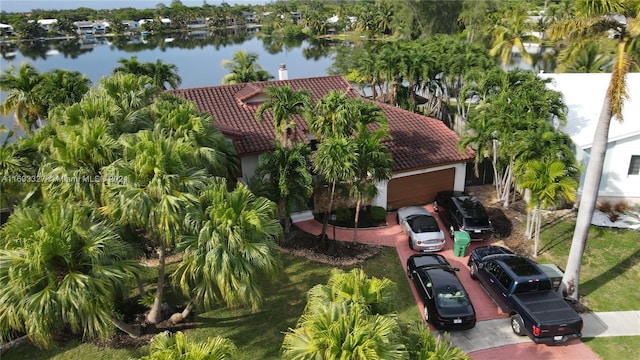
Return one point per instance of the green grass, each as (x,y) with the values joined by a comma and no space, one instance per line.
(610,267)
(258,335)
(615,348)
(608,277)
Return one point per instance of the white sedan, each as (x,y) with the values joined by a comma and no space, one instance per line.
(421,228)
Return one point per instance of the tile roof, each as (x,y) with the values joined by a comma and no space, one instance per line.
(418,141)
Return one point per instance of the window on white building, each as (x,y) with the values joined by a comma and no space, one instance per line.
(634,166)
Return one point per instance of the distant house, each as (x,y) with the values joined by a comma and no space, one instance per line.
(131,24)
(425,151)
(584,94)
(6,30)
(249,16)
(84,27)
(47,24)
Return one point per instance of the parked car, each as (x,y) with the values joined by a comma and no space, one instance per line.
(460,211)
(524,291)
(422,229)
(446,303)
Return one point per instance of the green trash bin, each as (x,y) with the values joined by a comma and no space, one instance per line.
(461,240)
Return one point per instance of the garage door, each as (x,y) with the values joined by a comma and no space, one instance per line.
(418,189)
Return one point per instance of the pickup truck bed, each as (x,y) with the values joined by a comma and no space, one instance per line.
(548,308)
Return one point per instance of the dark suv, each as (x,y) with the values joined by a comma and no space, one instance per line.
(462,212)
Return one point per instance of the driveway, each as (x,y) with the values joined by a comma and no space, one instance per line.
(492,337)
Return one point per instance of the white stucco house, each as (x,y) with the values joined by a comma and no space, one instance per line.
(584,94)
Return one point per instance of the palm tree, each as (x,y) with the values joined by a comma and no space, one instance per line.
(243,68)
(373,165)
(335,160)
(513,31)
(285,102)
(177,346)
(353,287)
(592,20)
(229,247)
(159,72)
(62,87)
(548,185)
(158,182)
(60,266)
(423,345)
(287,177)
(22,98)
(591,60)
(347,319)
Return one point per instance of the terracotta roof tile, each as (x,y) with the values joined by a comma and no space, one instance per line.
(418,141)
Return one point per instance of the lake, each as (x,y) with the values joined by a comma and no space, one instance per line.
(198,57)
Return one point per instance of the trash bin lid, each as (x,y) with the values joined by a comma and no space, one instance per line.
(462,237)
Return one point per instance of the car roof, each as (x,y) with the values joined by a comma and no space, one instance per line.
(520,266)
(406,211)
(428,260)
(484,252)
(442,277)
(470,206)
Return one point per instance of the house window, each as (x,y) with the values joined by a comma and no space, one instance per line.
(634,166)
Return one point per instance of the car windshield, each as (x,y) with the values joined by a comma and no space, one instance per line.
(451,297)
(423,223)
(471,222)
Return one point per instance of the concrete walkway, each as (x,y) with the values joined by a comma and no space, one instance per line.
(491,338)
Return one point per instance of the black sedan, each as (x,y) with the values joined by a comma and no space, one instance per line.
(446,303)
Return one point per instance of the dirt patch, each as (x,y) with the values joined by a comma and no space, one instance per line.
(331,252)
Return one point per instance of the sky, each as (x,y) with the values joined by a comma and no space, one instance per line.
(28,5)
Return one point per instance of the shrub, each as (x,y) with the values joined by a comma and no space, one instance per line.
(621,207)
(604,206)
(377,213)
(344,214)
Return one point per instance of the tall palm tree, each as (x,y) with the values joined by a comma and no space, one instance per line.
(513,31)
(285,102)
(62,87)
(158,183)
(243,68)
(229,247)
(60,266)
(177,346)
(335,160)
(287,177)
(592,21)
(22,98)
(373,165)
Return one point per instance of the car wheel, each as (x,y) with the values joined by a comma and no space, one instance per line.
(426,313)
(517,325)
(409,273)
(474,271)
(410,243)
(435,206)
(451,231)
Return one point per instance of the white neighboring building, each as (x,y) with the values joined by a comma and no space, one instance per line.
(584,94)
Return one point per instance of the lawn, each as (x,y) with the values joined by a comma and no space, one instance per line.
(258,335)
(608,276)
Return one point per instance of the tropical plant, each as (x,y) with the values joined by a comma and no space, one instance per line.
(166,346)
(548,185)
(422,345)
(156,182)
(342,320)
(513,31)
(243,68)
(160,73)
(286,176)
(284,102)
(62,87)
(592,21)
(228,247)
(22,98)
(592,59)
(60,266)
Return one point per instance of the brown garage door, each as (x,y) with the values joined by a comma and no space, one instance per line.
(418,189)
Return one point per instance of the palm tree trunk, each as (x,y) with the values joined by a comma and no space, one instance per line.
(155,315)
(130,330)
(179,317)
(282,205)
(326,214)
(141,290)
(536,230)
(593,174)
(355,220)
